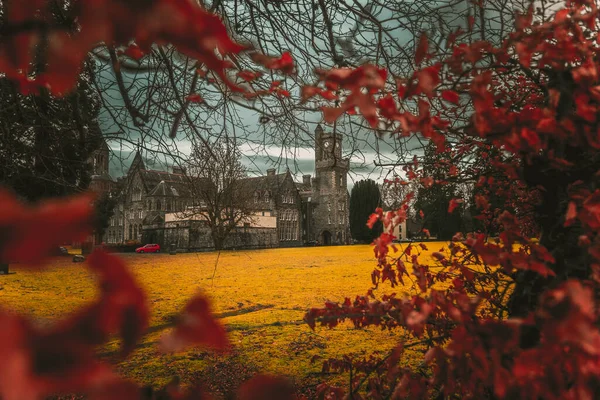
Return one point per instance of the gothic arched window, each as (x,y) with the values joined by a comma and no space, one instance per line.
(158,205)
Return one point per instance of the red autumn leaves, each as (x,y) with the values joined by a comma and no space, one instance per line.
(196,326)
(29,234)
(62,357)
(193,30)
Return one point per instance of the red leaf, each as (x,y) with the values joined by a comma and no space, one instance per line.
(523,21)
(422,49)
(373,218)
(194,98)
(122,308)
(591,207)
(249,76)
(29,234)
(450,96)
(328,95)
(61,357)
(429,79)
(471,22)
(453,204)
(39,363)
(274,86)
(285,63)
(197,326)
(309,92)
(331,114)
(267,387)
(134,51)
(571,213)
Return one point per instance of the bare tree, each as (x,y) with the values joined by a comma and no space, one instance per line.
(150,98)
(218,185)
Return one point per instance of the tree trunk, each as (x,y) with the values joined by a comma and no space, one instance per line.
(217,241)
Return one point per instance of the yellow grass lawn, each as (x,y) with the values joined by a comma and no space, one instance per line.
(261,296)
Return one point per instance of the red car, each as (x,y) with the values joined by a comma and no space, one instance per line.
(149,248)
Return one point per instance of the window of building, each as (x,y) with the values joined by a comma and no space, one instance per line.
(329,218)
(137,194)
(130,232)
(135,231)
(267,196)
(256,197)
(328,206)
(158,205)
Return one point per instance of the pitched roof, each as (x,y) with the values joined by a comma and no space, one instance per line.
(160,183)
(266,182)
(168,189)
(138,162)
(303,187)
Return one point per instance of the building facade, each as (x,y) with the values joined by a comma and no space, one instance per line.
(326,199)
(153,206)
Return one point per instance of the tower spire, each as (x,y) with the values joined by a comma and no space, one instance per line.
(318,130)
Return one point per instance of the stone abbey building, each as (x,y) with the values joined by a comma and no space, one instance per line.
(151,206)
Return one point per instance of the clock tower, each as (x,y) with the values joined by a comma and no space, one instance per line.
(330,191)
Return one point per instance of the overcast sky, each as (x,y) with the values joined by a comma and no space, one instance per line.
(293,150)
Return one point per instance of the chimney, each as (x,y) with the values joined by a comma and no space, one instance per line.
(306,179)
(271,172)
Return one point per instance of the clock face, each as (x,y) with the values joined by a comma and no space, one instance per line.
(326,144)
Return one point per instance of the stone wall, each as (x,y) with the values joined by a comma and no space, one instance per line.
(196,236)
